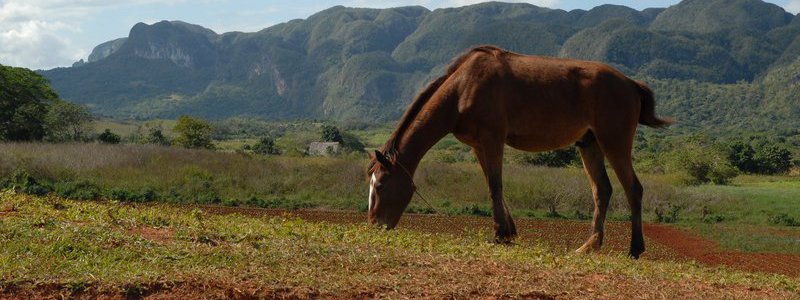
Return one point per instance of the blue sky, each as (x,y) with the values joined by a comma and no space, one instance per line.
(42,34)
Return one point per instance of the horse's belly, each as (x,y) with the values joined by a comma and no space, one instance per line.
(546,139)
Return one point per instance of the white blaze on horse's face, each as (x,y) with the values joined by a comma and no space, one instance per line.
(371,191)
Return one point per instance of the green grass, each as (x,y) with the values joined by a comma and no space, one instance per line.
(750,202)
(751,238)
(99,247)
(758,198)
(137,173)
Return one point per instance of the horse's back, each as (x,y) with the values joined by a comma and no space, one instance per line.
(543,103)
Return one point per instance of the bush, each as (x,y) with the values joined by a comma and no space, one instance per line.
(108,137)
(554,159)
(21,181)
(331,134)
(670,214)
(194,133)
(264,146)
(477,210)
(773,159)
(156,137)
(697,162)
(82,190)
(145,194)
(783,220)
(765,158)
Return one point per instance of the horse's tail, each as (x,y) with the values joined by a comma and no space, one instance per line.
(647,116)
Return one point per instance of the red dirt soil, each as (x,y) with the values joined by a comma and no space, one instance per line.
(663,242)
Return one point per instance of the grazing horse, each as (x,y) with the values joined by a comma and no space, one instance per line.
(490,98)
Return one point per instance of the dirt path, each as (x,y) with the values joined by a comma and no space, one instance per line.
(663,242)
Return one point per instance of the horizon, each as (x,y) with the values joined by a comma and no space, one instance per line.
(46,34)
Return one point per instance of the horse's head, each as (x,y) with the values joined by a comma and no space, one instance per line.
(390,190)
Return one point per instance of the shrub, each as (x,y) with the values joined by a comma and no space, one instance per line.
(709,217)
(670,214)
(156,137)
(82,190)
(21,181)
(554,159)
(783,219)
(698,163)
(331,134)
(265,146)
(194,133)
(477,210)
(108,137)
(765,158)
(773,159)
(581,215)
(145,194)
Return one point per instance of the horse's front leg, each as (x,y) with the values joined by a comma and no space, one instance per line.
(491,159)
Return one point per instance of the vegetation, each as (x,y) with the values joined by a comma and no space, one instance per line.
(265,146)
(722,66)
(66,121)
(108,137)
(193,133)
(31,111)
(54,246)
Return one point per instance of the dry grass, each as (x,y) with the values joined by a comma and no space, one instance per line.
(197,176)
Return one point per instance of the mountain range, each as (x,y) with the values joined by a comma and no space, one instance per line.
(712,63)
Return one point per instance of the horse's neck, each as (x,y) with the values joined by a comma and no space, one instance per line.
(422,135)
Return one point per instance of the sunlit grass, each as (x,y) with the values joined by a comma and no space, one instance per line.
(76,245)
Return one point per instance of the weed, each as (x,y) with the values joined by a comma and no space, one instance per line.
(477,210)
(670,215)
(783,219)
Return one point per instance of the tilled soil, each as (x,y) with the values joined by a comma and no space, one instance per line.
(663,242)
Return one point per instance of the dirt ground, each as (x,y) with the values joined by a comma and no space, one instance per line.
(663,242)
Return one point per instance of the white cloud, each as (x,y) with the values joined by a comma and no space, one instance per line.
(792,6)
(36,33)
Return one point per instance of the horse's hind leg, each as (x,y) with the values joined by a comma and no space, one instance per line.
(594,165)
(618,152)
(490,156)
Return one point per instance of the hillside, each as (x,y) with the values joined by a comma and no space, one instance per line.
(367,64)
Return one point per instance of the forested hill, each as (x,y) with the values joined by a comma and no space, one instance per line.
(718,63)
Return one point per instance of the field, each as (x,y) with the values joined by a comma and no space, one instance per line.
(138,220)
(63,248)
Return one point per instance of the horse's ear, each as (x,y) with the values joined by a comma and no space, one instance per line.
(381,159)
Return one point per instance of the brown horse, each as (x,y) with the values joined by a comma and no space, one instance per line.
(490,98)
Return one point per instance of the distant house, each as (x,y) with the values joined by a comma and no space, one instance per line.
(324,148)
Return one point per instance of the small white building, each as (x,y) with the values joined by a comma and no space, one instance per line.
(324,148)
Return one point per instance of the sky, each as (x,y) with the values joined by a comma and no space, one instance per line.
(43,34)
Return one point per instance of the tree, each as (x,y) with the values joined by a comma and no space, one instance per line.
(331,134)
(741,155)
(24,100)
(66,121)
(156,137)
(698,161)
(773,159)
(266,146)
(108,137)
(194,133)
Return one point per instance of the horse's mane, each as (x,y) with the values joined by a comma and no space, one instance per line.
(390,148)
